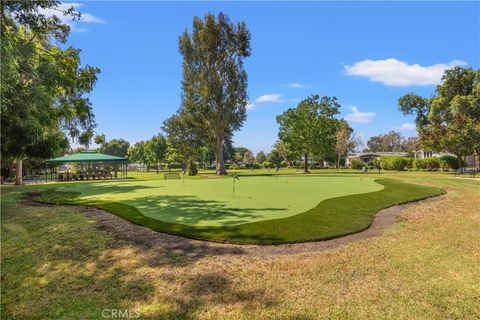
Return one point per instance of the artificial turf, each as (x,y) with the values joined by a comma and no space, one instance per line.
(211,202)
(332,217)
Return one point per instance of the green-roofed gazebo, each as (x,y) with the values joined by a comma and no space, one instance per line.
(90,165)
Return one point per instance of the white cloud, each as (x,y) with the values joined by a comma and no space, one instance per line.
(297,85)
(251,106)
(359,117)
(408,126)
(295,100)
(270,98)
(74,24)
(396,73)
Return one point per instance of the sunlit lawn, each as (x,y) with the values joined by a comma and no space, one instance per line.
(56,264)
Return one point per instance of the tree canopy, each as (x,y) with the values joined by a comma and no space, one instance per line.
(450,119)
(389,142)
(115,147)
(214,85)
(310,128)
(44,87)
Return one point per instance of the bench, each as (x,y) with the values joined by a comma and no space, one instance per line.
(172,175)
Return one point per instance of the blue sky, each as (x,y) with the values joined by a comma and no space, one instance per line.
(366,54)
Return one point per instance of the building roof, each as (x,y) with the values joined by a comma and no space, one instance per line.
(86,156)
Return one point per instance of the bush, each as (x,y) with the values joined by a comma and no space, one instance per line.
(357,164)
(450,162)
(236,167)
(430,164)
(395,163)
(267,164)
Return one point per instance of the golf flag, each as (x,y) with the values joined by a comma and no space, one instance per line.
(235,177)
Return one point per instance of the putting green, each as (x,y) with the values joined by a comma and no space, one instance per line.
(210,202)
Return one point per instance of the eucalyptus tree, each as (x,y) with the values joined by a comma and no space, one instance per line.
(214,85)
(310,128)
(44,87)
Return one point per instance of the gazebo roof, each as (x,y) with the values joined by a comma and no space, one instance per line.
(86,156)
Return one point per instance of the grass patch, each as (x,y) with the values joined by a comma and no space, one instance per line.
(329,219)
(57,265)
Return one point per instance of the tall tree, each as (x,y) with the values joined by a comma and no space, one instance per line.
(44,87)
(450,120)
(214,81)
(156,149)
(310,128)
(389,142)
(346,141)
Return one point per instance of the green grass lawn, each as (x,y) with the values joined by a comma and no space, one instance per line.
(264,210)
(58,264)
(210,202)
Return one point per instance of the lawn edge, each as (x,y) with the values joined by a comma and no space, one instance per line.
(33,196)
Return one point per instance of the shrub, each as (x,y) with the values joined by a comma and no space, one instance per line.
(357,164)
(375,163)
(450,162)
(430,164)
(267,164)
(236,167)
(395,163)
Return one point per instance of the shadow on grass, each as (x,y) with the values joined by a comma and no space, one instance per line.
(111,188)
(192,210)
(214,289)
(59,266)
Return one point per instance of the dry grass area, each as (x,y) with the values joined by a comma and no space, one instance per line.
(56,264)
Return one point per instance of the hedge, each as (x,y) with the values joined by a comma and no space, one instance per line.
(395,163)
(434,163)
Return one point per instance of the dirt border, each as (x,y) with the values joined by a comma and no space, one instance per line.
(122,229)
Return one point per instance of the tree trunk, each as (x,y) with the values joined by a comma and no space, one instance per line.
(157,167)
(220,163)
(338,162)
(305,168)
(19,172)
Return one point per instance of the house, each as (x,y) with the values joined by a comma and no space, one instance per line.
(423,154)
(420,154)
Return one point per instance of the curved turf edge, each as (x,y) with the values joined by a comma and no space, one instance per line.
(331,218)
